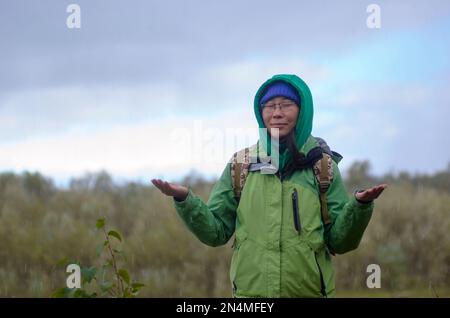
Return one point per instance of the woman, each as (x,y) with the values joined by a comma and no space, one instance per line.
(282,247)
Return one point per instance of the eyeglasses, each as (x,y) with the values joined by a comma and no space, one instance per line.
(269,108)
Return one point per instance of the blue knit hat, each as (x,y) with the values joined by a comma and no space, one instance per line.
(280,88)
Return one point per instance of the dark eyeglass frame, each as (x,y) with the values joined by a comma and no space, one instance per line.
(270,107)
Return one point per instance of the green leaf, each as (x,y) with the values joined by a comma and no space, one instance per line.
(127,294)
(120,253)
(61,293)
(115,234)
(105,269)
(100,223)
(108,263)
(81,293)
(125,276)
(88,273)
(137,285)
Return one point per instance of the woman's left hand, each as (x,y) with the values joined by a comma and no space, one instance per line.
(370,194)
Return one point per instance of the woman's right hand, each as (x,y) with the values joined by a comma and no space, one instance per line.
(178,192)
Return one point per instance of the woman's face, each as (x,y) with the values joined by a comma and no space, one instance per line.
(281,113)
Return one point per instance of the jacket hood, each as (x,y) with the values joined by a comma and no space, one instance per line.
(303,126)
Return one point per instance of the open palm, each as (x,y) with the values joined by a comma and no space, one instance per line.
(371,194)
(177,191)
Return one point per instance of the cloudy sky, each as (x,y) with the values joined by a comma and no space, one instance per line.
(157,88)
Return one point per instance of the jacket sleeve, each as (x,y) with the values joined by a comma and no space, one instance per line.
(349,217)
(212,223)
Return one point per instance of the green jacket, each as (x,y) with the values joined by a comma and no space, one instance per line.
(272,259)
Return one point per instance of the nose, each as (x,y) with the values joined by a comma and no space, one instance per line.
(277,112)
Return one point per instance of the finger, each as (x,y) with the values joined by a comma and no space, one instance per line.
(381,187)
(375,194)
(378,192)
(170,188)
(369,192)
(375,189)
(158,183)
(160,187)
(165,185)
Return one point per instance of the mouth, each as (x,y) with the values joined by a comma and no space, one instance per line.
(278,125)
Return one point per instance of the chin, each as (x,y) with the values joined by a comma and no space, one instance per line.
(280,136)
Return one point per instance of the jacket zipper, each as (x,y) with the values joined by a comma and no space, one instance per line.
(322,282)
(271,291)
(297,224)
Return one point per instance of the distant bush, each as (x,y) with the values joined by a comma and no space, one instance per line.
(41,224)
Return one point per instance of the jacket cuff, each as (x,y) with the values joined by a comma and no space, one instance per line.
(186,203)
(364,206)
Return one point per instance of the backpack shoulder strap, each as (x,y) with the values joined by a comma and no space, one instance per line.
(323,170)
(240,164)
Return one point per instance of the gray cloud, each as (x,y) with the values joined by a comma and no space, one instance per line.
(139,59)
(396,126)
(154,40)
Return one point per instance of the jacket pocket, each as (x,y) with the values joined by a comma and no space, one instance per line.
(236,260)
(248,269)
(322,280)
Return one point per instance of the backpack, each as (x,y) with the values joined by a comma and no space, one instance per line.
(248,159)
